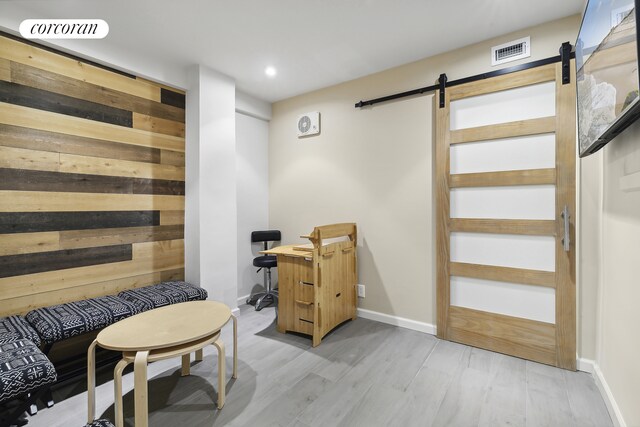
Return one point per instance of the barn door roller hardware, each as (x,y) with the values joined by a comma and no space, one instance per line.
(566,54)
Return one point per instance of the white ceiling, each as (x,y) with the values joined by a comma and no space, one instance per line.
(312,43)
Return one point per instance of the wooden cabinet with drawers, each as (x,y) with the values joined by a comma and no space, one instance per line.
(317,282)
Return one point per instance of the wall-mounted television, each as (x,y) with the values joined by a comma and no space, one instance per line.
(607,72)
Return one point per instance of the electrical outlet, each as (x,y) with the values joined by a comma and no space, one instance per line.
(361,291)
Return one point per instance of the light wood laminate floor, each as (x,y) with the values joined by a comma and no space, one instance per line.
(364,373)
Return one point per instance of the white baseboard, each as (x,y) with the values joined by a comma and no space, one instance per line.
(605,391)
(397,321)
(243,300)
(586,365)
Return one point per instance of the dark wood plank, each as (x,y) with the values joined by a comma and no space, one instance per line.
(32,180)
(46,80)
(33,139)
(31,222)
(17,265)
(27,96)
(170,97)
(157,186)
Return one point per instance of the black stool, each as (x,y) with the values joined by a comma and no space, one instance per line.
(270,296)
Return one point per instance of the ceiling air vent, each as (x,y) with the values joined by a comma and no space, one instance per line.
(511,51)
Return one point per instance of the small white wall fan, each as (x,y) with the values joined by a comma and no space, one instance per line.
(309,124)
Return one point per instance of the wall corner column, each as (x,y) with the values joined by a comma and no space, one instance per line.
(211,201)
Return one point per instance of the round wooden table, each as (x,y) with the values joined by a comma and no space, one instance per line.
(161,333)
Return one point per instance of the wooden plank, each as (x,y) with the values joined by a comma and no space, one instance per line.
(171,217)
(527,227)
(26,96)
(36,57)
(152,257)
(34,201)
(158,186)
(119,236)
(504,274)
(45,120)
(72,163)
(336,230)
(20,158)
(524,338)
(506,178)
(28,180)
(58,83)
(29,222)
(26,243)
(33,139)
(504,130)
(24,304)
(172,158)
(532,76)
(565,196)
(171,97)
(18,265)
(160,85)
(5,70)
(443,288)
(158,125)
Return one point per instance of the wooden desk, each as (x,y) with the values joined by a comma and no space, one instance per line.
(161,333)
(317,282)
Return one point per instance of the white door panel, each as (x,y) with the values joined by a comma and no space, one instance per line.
(525,152)
(505,250)
(511,299)
(521,202)
(529,102)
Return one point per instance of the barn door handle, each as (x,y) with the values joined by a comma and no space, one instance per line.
(566,241)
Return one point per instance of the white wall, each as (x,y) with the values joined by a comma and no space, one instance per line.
(252,139)
(611,237)
(211,198)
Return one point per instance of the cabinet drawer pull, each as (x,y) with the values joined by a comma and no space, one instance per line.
(304,302)
(302,282)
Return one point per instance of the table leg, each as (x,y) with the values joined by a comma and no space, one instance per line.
(221,373)
(141,399)
(186,364)
(235,346)
(117,392)
(199,355)
(91,381)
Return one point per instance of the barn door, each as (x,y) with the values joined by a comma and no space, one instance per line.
(505,156)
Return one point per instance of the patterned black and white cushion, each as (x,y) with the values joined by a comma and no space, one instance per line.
(62,321)
(14,328)
(23,368)
(100,423)
(165,293)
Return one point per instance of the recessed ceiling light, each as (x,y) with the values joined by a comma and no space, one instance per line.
(270,71)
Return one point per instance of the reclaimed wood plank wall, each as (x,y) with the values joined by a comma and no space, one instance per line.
(91,179)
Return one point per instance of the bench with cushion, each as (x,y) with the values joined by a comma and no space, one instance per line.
(100,423)
(15,328)
(59,322)
(165,293)
(25,372)
(20,337)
